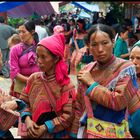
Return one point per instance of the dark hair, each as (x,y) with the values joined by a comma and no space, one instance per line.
(102,27)
(30,26)
(1,19)
(63,20)
(101,20)
(39,22)
(82,21)
(72,20)
(127,22)
(122,29)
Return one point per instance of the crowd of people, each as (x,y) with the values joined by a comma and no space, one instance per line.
(39,56)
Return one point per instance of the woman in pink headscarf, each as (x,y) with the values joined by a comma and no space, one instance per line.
(58,29)
(50,113)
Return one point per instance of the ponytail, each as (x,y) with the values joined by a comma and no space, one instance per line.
(36,38)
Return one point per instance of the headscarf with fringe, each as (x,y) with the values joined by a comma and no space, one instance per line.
(56,44)
(136,44)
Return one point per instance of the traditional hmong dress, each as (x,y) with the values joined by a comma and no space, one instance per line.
(116,86)
(134,111)
(40,108)
(134,104)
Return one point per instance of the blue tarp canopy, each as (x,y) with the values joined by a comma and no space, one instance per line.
(86,6)
(5,6)
(84,14)
(26,9)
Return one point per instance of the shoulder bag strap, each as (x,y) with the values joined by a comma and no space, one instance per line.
(49,95)
(51,99)
(27,50)
(86,98)
(89,109)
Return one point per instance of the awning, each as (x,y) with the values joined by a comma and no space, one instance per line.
(66,8)
(87,7)
(84,14)
(5,6)
(26,9)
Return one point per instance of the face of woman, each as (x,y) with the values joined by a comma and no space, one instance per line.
(45,60)
(135,58)
(101,46)
(24,34)
(124,35)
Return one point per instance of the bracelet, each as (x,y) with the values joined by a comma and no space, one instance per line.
(23,116)
(91,87)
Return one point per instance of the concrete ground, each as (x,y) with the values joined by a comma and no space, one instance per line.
(5,85)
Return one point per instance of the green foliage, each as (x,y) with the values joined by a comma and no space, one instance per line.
(118,10)
(34,16)
(15,21)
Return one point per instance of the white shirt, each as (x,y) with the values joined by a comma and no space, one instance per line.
(42,33)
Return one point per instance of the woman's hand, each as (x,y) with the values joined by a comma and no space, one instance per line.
(32,128)
(40,132)
(9,105)
(85,77)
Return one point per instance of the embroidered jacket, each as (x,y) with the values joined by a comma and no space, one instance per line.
(110,97)
(39,103)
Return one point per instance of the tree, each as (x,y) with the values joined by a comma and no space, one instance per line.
(117,10)
(14,21)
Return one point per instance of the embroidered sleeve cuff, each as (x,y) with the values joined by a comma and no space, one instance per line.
(50,126)
(23,116)
(91,87)
(21,105)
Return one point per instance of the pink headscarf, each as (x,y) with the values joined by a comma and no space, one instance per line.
(58,29)
(56,44)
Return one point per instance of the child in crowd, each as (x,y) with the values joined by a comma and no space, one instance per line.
(13,40)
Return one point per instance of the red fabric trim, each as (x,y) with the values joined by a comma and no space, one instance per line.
(42,107)
(45,106)
(64,99)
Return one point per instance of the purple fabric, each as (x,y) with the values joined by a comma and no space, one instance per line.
(4,6)
(24,65)
(26,10)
